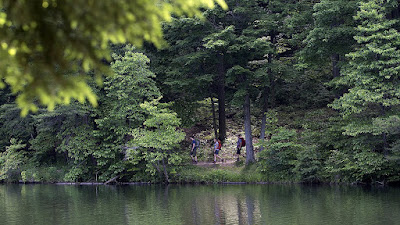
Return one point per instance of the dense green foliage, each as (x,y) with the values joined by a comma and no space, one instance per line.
(314,84)
(47,46)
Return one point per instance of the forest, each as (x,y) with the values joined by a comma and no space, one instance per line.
(312,85)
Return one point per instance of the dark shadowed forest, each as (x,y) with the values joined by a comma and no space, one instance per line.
(312,86)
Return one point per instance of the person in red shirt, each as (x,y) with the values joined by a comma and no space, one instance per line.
(217,149)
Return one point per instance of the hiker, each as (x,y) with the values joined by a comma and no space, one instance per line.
(240,143)
(193,151)
(217,148)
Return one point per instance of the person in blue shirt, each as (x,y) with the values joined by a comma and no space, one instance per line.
(193,151)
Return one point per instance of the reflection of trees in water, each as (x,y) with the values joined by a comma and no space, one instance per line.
(246,210)
(250,209)
(218,212)
(233,205)
(240,214)
(195,212)
(134,204)
(247,204)
(216,205)
(196,204)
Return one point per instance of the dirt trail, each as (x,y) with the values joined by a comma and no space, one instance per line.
(204,134)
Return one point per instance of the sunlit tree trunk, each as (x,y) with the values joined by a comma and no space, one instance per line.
(247,131)
(221,98)
(214,118)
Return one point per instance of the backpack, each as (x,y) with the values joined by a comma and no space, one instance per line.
(219,145)
(197,143)
(243,142)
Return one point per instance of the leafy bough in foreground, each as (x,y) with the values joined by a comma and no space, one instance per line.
(43,41)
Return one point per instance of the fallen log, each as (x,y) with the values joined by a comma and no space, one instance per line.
(114,179)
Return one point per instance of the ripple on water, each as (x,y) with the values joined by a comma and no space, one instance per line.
(203,204)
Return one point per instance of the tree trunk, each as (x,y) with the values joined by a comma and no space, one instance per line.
(272,92)
(336,73)
(221,97)
(165,171)
(335,68)
(265,104)
(247,131)
(384,135)
(395,13)
(157,167)
(214,118)
(385,145)
(264,117)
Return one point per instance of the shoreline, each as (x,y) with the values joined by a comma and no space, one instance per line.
(202,183)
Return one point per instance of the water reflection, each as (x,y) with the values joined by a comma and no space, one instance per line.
(191,204)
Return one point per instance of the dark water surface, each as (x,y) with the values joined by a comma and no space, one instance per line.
(203,204)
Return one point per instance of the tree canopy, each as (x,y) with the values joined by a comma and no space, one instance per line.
(48,46)
(312,85)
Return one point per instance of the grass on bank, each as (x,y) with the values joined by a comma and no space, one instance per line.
(218,174)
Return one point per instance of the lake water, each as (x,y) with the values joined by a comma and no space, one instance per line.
(198,204)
